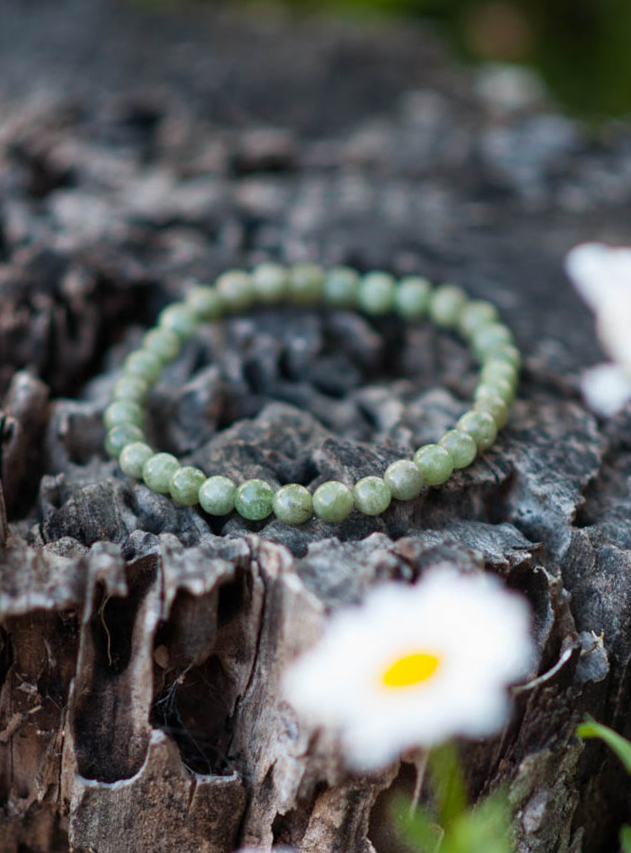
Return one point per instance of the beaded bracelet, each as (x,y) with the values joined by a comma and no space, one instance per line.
(375,294)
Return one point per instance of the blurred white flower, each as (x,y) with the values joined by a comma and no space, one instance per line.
(414,666)
(602,275)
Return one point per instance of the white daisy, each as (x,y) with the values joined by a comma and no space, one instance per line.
(415,665)
(602,275)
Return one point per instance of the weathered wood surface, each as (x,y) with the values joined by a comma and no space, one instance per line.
(141,643)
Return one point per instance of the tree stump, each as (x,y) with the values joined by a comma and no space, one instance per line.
(141,643)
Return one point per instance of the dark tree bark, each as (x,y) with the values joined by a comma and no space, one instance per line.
(141,643)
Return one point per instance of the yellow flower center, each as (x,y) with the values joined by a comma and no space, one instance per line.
(410,670)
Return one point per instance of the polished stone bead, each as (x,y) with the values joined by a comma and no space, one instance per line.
(403,479)
(490,337)
(497,388)
(164,343)
(434,463)
(341,287)
(271,283)
(253,499)
(123,412)
(372,495)
(216,495)
(481,427)
(158,470)
(474,315)
(120,436)
(180,319)
(446,305)
(133,458)
(306,283)
(293,504)
(131,388)
(495,407)
(461,447)
(412,296)
(236,290)
(493,370)
(505,352)
(185,485)
(144,364)
(333,501)
(376,293)
(205,302)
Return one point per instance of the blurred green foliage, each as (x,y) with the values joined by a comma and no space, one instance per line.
(582,48)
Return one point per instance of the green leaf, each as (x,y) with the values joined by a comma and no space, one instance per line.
(625,839)
(621,746)
(447,783)
(418,828)
(485,829)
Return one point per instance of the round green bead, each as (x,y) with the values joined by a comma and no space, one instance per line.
(185,485)
(180,319)
(412,297)
(506,352)
(372,495)
(495,407)
(341,287)
(164,343)
(493,370)
(144,364)
(133,458)
(490,337)
(205,302)
(158,470)
(461,447)
(253,499)
(497,388)
(403,479)
(446,305)
(377,292)
(123,412)
(333,501)
(434,463)
(216,495)
(481,427)
(475,314)
(270,282)
(120,436)
(131,388)
(306,283)
(236,290)
(293,504)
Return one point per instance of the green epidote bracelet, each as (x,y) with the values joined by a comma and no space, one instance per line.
(374,294)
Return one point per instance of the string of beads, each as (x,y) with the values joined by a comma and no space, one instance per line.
(374,294)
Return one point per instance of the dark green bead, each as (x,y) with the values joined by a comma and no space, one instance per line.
(403,479)
(236,290)
(216,495)
(496,388)
(205,302)
(495,407)
(253,499)
(306,283)
(180,319)
(446,305)
(133,458)
(185,485)
(474,315)
(332,501)
(371,495)
(131,388)
(412,297)
(293,504)
(341,287)
(377,292)
(123,412)
(490,337)
(120,436)
(481,427)
(144,364)
(461,447)
(163,342)
(434,463)
(158,471)
(271,283)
